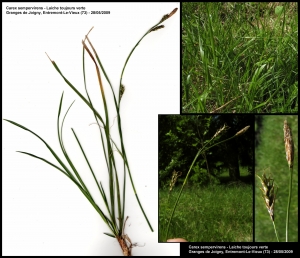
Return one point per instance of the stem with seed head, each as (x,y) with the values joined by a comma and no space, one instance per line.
(197,155)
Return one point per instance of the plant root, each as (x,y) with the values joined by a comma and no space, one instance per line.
(125,244)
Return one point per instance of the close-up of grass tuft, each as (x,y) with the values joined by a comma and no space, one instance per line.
(240,57)
(276,187)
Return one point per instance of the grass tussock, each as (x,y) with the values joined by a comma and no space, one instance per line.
(239,57)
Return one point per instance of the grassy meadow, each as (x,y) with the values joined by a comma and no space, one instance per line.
(270,158)
(239,57)
(213,213)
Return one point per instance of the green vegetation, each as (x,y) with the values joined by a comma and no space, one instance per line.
(240,57)
(213,213)
(270,158)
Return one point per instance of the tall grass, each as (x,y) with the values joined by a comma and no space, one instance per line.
(239,57)
(112,210)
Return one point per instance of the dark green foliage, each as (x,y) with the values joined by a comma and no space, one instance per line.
(180,138)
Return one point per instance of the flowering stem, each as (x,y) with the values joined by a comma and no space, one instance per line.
(289,150)
(288,205)
(197,155)
(275,230)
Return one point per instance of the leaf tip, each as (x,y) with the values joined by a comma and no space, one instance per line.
(49,58)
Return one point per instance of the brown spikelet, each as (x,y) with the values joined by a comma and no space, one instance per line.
(268,190)
(224,128)
(174,11)
(242,131)
(289,144)
(167,16)
(158,27)
(226,104)
(122,90)
(175,176)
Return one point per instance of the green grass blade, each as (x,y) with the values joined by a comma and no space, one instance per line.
(102,69)
(71,178)
(103,146)
(106,129)
(86,191)
(101,190)
(48,162)
(49,148)
(85,86)
(109,235)
(87,195)
(77,92)
(59,132)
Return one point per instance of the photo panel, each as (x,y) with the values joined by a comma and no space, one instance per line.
(276,180)
(206,178)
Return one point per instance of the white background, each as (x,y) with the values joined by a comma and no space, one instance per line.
(44,213)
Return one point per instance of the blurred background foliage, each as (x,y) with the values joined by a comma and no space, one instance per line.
(180,137)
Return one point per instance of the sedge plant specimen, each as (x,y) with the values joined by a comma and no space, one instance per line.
(114,198)
(208,145)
